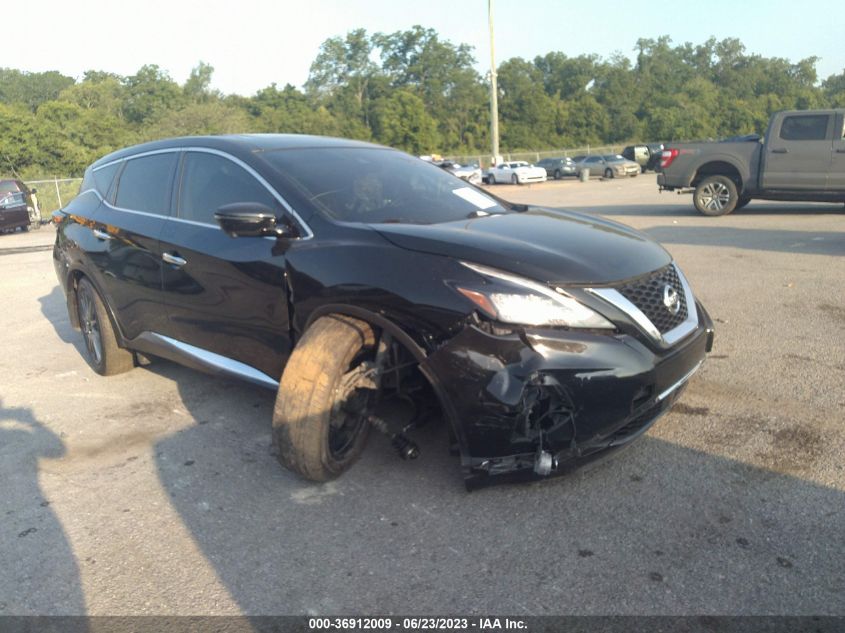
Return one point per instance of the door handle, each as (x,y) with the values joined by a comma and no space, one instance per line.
(780,150)
(102,235)
(170,258)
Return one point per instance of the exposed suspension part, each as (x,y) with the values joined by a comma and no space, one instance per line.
(404,446)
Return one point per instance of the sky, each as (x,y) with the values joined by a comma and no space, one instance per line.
(254,43)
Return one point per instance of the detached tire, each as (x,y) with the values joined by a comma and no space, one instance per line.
(320,427)
(716,195)
(103,353)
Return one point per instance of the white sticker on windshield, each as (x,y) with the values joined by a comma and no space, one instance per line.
(474,197)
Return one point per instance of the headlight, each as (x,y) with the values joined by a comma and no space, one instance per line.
(521,301)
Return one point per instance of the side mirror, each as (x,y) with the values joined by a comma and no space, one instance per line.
(251,219)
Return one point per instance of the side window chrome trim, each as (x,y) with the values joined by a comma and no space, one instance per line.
(167,150)
(153,215)
(209,150)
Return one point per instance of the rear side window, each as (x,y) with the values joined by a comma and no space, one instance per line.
(210,181)
(145,183)
(812,127)
(104,177)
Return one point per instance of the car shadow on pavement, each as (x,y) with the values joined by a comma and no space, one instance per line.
(806,242)
(40,575)
(683,208)
(54,309)
(657,529)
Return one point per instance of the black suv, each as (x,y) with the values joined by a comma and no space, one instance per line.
(340,273)
(17,208)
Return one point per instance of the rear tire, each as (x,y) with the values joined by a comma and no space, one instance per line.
(515,180)
(320,425)
(608,173)
(715,196)
(103,353)
(558,174)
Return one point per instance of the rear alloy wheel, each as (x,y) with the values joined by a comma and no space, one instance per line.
(715,196)
(325,398)
(608,173)
(515,180)
(491,179)
(558,175)
(103,353)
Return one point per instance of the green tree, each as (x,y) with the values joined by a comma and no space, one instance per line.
(442,74)
(150,93)
(289,110)
(401,121)
(834,90)
(197,87)
(340,78)
(31,89)
(528,114)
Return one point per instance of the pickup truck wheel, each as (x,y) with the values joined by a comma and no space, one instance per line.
(608,173)
(103,353)
(491,179)
(715,196)
(320,420)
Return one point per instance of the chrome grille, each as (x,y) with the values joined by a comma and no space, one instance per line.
(647,294)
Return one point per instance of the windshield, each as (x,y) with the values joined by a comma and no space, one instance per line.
(12,199)
(375,185)
(8,186)
(614,158)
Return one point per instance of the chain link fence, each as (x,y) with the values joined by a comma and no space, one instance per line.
(532,157)
(54,193)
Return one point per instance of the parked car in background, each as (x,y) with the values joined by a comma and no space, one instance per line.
(646,155)
(557,168)
(470,173)
(338,273)
(802,157)
(17,207)
(516,172)
(609,166)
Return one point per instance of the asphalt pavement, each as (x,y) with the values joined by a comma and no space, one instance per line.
(155,492)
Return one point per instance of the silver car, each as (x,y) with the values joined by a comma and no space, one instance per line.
(609,166)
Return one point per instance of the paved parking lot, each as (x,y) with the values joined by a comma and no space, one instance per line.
(155,492)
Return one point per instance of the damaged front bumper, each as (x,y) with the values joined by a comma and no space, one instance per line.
(537,402)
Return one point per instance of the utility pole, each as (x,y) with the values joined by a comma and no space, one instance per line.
(494,94)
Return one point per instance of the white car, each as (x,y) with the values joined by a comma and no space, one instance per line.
(516,172)
(470,173)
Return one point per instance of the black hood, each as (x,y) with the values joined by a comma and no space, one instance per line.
(557,247)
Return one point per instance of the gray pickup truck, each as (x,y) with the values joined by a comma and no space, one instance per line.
(802,157)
